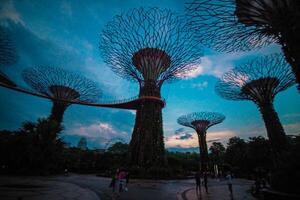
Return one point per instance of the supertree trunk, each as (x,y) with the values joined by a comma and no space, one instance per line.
(147,145)
(203,150)
(57,111)
(274,128)
(291,48)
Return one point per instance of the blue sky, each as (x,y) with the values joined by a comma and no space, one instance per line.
(67,33)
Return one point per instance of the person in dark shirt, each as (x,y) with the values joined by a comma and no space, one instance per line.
(198,182)
(205,181)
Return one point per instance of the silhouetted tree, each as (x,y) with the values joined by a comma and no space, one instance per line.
(200,122)
(260,80)
(217,151)
(239,25)
(236,155)
(149,46)
(59,85)
(82,143)
(118,148)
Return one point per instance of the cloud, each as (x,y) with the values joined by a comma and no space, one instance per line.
(292,129)
(99,132)
(8,11)
(192,140)
(185,136)
(200,86)
(179,131)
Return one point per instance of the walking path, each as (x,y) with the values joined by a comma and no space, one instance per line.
(91,187)
(219,190)
(39,188)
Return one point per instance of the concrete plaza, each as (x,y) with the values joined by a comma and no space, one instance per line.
(91,187)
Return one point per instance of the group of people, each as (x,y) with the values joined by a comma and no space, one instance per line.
(204,176)
(120,181)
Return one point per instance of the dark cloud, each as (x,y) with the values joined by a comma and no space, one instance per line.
(179,131)
(185,137)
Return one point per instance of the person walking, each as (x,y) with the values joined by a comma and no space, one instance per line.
(229,183)
(198,182)
(114,180)
(205,181)
(122,179)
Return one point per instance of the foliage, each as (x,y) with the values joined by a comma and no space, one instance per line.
(82,144)
(118,148)
(217,151)
(34,149)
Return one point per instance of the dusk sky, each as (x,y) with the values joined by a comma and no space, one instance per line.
(67,34)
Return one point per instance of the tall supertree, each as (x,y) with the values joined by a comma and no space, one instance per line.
(8,54)
(61,86)
(260,80)
(239,25)
(200,122)
(149,46)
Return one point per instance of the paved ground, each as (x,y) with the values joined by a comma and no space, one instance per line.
(40,188)
(219,190)
(90,187)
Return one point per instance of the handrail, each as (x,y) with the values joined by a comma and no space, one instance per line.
(116,103)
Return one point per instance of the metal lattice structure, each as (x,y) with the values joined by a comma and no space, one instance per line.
(8,55)
(242,25)
(149,46)
(59,84)
(259,81)
(200,122)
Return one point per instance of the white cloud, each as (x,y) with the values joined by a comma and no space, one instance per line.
(100,132)
(222,136)
(8,11)
(200,86)
(292,129)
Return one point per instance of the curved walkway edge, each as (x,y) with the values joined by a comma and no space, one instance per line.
(41,188)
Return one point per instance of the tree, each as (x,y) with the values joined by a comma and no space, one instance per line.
(149,46)
(236,154)
(82,144)
(241,25)
(200,122)
(259,81)
(61,86)
(217,151)
(118,148)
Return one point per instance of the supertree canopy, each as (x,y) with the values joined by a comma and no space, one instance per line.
(8,54)
(200,122)
(259,81)
(235,25)
(59,85)
(149,46)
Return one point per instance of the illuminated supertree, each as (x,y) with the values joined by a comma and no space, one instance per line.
(200,122)
(8,54)
(149,46)
(239,25)
(59,84)
(260,80)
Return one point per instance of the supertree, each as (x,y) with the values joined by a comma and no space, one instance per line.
(61,86)
(200,122)
(8,54)
(149,46)
(239,25)
(260,80)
